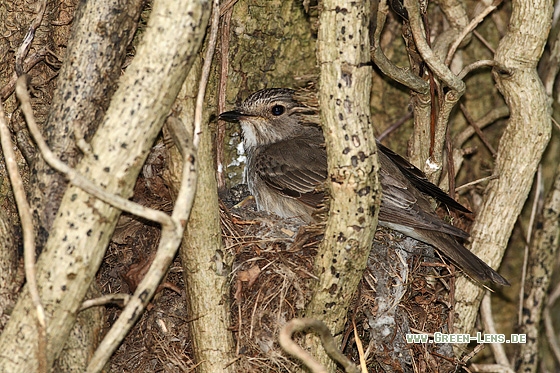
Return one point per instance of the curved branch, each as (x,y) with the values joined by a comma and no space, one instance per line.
(319,328)
(521,146)
(84,225)
(467,30)
(435,64)
(75,177)
(401,75)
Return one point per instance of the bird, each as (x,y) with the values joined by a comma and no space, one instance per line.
(286,170)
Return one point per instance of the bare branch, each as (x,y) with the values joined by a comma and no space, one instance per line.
(521,146)
(224,58)
(403,76)
(490,328)
(471,26)
(543,259)
(329,344)
(478,131)
(171,235)
(26,44)
(528,238)
(491,117)
(482,63)
(344,93)
(436,65)
(120,299)
(121,144)
(206,72)
(28,237)
(73,176)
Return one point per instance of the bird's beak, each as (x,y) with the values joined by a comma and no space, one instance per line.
(232,116)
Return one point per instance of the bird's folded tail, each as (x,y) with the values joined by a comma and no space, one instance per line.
(469,263)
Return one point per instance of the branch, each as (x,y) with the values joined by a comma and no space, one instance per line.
(93,62)
(171,236)
(345,86)
(226,14)
(521,146)
(432,164)
(490,328)
(73,176)
(206,72)
(121,299)
(549,327)
(543,258)
(329,344)
(169,243)
(84,225)
(28,237)
(528,238)
(403,76)
(482,63)
(26,44)
(490,117)
(205,261)
(436,65)
(467,30)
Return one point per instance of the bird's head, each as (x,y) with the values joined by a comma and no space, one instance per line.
(268,116)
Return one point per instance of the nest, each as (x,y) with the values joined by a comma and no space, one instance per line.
(271,281)
(399,294)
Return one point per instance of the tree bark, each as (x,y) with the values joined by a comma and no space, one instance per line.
(84,225)
(344,90)
(521,146)
(542,259)
(9,282)
(205,261)
(87,80)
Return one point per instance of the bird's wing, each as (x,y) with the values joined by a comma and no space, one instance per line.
(403,205)
(419,180)
(405,209)
(294,174)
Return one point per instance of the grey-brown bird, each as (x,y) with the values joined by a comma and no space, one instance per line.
(287,165)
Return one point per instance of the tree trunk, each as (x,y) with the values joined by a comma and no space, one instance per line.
(345,85)
(521,146)
(84,225)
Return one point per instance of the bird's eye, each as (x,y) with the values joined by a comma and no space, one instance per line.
(277,110)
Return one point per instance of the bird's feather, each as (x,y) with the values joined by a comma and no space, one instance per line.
(285,172)
(287,167)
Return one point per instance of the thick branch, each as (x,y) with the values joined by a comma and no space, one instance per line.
(85,84)
(205,261)
(83,226)
(401,75)
(542,259)
(521,145)
(344,99)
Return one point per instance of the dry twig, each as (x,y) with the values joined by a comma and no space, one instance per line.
(317,326)
(26,44)
(489,327)
(120,299)
(437,67)
(28,232)
(401,75)
(226,10)
(528,238)
(472,25)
